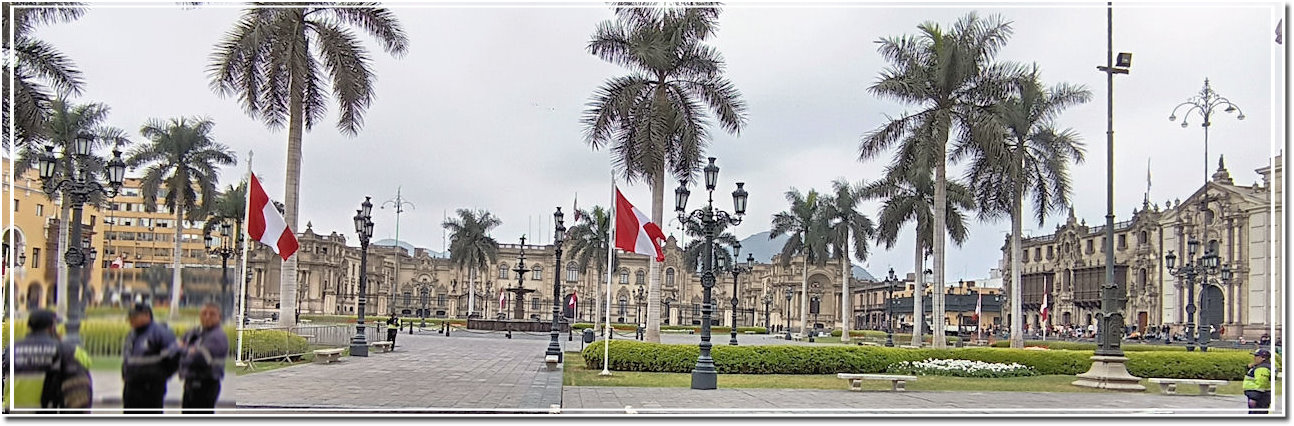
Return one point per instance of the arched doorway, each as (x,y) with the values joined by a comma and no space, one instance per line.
(1212,304)
(34,295)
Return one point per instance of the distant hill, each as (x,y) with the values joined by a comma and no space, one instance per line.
(764,249)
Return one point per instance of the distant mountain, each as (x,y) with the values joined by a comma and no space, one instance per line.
(408,248)
(764,249)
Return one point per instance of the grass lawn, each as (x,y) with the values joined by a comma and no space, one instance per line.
(575,374)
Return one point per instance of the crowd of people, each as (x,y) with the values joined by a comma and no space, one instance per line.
(51,373)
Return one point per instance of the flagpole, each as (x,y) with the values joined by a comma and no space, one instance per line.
(611,244)
(242,281)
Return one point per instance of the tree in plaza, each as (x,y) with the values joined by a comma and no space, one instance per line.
(181,158)
(654,119)
(38,67)
(229,206)
(908,196)
(848,231)
(694,251)
(470,245)
(282,62)
(807,229)
(1026,149)
(951,77)
(589,243)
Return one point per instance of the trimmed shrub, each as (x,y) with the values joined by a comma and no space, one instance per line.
(798,359)
(1083,346)
(269,343)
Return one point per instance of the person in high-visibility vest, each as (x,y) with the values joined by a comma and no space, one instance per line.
(392,328)
(1257,384)
(48,372)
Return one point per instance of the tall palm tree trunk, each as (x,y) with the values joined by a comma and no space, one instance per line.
(60,289)
(1017,321)
(175,257)
(941,224)
(292,188)
(844,296)
(597,299)
(918,311)
(653,267)
(804,296)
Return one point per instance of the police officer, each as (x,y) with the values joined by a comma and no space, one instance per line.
(202,366)
(48,373)
(1257,383)
(149,357)
(392,329)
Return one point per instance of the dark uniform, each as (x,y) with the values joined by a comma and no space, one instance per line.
(48,373)
(149,358)
(203,367)
(392,329)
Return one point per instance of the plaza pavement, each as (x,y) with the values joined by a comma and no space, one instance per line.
(485,372)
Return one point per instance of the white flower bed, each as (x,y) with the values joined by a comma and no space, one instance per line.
(961,368)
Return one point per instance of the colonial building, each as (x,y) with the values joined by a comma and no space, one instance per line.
(960,300)
(1069,265)
(435,287)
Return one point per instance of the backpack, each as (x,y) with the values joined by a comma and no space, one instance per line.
(68,384)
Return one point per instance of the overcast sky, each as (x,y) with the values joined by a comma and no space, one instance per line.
(483,111)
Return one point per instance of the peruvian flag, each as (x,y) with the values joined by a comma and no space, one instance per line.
(116,263)
(634,232)
(978,302)
(265,224)
(503,299)
(571,304)
(1044,307)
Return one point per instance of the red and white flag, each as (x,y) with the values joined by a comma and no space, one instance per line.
(266,224)
(1044,307)
(576,208)
(503,299)
(116,263)
(573,301)
(636,233)
(978,302)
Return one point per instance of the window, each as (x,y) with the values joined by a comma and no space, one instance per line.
(537,273)
(503,271)
(640,277)
(1123,241)
(534,304)
(1089,246)
(129,207)
(408,298)
(572,272)
(35,258)
(40,210)
(15,205)
(669,276)
(1037,253)
(624,276)
(696,309)
(1141,238)
(1051,252)
(440,300)
(622,306)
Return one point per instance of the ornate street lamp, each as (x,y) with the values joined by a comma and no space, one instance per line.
(363,227)
(890,281)
(78,186)
(226,246)
(639,297)
(737,269)
(786,312)
(768,300)
(559,235)
(1193,268)
(704,375)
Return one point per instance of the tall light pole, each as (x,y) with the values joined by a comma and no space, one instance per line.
(768,301)
(1108,370)
(737,269)
(639,296)
(704,376)
(398,203)
(559,234)
(363,227)
(790,293)
(78,186)
(225,247)
(890,280)
(1204,104)
(1188,272)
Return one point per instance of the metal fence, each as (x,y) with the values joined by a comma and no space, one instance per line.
(263,342)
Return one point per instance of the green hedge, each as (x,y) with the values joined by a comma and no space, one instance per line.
(695,328)
(106,337)
(268,343)
(800,359)
(1082,346)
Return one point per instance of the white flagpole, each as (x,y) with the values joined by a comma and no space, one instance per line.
(611,249)
(242,280)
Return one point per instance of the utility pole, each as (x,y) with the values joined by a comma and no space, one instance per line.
(398,203)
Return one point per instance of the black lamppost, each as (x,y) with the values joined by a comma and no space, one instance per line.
(18,262)
(737,269)
(768,300)
(704,375)
(787,311)
(78,185)
(890,281)
(639,296)
(816,306)
(668,301)
(1191,269)
(363,227)
(225,247)
(559,234)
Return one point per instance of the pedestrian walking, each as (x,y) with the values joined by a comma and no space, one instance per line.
(150,357)
(392,329)
(1257,385)
(48,372)
(203,365)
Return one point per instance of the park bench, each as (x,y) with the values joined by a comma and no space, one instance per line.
(797,336)
(551,361)
(324,356)
(856,380)
(909,347)
(385,345)
(866,343)
(748,332)
(1169,386)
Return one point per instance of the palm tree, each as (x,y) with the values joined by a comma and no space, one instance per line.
(846,222)
(1028,150)
(805,225)
(694,251)
(950,77)
(589,244)
(181,158)
(654,119)
(471,246)
(62,124)
(280,61)
(229,206)
(38,66)
(909,196)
